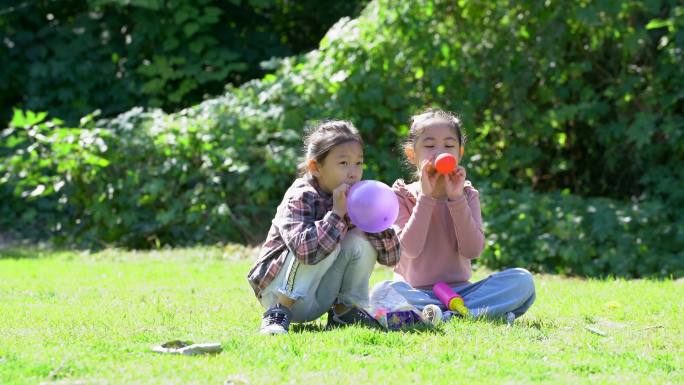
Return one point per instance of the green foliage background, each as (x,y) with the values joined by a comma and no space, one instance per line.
(71,57)
(573,112)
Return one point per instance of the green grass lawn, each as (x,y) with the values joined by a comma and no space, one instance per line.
(80,318)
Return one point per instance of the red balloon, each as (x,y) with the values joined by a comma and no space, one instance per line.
(445,163)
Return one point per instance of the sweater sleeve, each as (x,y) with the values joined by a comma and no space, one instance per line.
(412,225)
(467,219)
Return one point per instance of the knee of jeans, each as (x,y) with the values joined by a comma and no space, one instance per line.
(355,246)
(361,265)
(524,281)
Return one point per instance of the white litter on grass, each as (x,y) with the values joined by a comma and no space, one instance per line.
(596,331)
(432,314)
(187,348)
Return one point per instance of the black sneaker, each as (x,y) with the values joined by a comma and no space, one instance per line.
(355,315)
(276,320)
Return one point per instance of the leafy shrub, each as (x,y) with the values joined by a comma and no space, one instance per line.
(72,57)
(567,234)
(575,102)
(143,181)
(39,162)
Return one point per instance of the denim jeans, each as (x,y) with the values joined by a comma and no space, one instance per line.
(510,290)
(341,277)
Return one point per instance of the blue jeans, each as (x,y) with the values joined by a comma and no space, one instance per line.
(341,277)
(510,290)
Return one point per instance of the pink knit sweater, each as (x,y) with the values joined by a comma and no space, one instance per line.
(438,238)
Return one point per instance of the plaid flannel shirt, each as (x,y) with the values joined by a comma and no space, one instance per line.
(305,225)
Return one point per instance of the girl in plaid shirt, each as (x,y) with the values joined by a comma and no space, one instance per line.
(314,260)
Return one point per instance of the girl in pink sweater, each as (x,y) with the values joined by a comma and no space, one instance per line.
(440,229)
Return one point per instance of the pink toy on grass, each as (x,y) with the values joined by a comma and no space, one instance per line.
(451,299)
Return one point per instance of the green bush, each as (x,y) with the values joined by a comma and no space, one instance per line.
(571,235)
(144,180)
(71,57)
(573,103)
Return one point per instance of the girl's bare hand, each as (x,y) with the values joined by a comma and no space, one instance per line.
(340,200)
(431,182)
(428,177)
(455,182)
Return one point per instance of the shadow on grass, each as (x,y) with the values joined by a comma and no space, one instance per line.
(314,327)
(537,323)
(12,253)
(307,327)
(33,251)
(422,329)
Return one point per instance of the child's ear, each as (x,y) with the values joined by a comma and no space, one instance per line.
(410,154)
(312,166)
(462,149)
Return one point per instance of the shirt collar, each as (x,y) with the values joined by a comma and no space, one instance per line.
(314,182)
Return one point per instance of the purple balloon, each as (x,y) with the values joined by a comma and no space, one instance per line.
(372,206)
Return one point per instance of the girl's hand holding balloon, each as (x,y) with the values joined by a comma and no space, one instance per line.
(429,180)
(455,181)
(340,200)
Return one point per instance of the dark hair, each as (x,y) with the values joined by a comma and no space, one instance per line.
(323,137)
(418,124)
